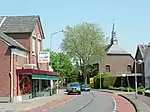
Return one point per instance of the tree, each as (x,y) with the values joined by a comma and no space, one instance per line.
(83,42)
(62,64)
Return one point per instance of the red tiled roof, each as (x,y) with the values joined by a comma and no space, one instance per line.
(36,71)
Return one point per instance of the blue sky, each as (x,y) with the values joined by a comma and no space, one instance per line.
(132,17)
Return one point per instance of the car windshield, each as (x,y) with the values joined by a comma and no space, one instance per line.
(85,86)
(73,85)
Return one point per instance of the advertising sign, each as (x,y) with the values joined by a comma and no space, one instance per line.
(43,57)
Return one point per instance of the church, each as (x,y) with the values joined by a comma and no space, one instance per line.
(117,60)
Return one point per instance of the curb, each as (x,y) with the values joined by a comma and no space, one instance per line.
(134,105)
(106,91)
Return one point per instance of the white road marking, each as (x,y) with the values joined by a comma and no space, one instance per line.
(115,104)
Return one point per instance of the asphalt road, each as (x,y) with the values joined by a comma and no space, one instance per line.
(86,102)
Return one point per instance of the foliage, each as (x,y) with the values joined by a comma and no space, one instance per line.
(62,64)
(107,80)
(82,42)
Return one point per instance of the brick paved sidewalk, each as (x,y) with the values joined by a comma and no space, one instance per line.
(39,102)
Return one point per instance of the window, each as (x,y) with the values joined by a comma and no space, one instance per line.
(39,46)
(16,58)
(107,68)
(129,68)
(33,44)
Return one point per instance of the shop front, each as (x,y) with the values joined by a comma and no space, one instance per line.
(35,83)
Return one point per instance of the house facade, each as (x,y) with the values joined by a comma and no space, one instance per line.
(140,55)
(22,77)
(147,66)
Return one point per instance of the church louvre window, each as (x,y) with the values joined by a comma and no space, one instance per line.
(107,68)
(129,68)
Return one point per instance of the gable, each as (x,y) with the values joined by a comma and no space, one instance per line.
(138,54)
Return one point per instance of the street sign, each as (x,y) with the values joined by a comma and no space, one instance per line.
(43,57)
(91,81)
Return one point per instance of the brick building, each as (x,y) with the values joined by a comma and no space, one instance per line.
(21,76)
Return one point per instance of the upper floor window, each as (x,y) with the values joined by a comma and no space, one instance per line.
(129,68)
(107,68)
(39,45)
(33,44)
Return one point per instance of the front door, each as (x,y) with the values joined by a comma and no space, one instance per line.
(34,88)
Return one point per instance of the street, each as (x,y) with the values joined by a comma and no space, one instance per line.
(86,102)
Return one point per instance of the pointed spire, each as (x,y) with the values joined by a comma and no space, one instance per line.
(113,35)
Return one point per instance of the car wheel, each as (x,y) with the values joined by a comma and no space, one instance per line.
(79,93)
(68,93)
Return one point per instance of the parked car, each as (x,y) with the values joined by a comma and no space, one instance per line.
(74,87)
(85,87)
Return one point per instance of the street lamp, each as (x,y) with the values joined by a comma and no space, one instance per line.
(136,84)
(51,44)
(100,82)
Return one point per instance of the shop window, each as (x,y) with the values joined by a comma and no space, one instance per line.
(25,83)
(129,68)
(16,58)
(107,68)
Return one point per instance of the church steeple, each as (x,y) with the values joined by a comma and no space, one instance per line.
(113,35)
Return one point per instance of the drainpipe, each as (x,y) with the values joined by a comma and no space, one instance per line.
(11,75)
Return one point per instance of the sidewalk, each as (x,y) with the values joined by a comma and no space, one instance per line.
(32,103)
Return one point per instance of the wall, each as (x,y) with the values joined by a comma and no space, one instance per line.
(4,72)
(118,63)
(19,59)
(147,70)
(36,33)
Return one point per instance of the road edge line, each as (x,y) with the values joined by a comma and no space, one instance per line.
(115,103)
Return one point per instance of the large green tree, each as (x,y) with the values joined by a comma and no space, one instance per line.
(82,43)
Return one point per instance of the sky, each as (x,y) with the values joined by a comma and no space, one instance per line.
(132,18)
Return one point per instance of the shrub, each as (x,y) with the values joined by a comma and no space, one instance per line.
(107,80)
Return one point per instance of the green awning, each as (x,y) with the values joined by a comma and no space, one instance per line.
(46,77)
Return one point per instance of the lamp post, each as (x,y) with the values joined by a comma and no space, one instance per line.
(100,82)
(51,44)
(136,82)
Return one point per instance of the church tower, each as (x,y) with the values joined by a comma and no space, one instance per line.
(114,40)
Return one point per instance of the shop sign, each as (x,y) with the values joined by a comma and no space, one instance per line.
(43,57)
